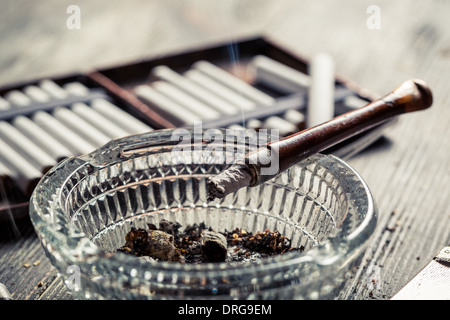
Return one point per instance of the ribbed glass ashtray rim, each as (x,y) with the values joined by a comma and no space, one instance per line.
(74,248)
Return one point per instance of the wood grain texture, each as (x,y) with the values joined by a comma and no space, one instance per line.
(407,171)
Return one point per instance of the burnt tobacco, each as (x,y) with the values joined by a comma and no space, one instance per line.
(198,244)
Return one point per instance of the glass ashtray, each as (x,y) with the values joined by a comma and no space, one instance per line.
(83,208)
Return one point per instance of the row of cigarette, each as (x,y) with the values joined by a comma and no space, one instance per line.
(30,145)
(207,92)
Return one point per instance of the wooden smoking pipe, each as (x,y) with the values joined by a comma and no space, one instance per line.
(412,95)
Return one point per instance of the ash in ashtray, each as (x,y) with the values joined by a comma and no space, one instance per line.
(199,243)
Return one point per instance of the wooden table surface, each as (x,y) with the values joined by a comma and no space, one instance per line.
(407,171)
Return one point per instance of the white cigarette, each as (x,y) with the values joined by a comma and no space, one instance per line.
(120,117)
(234,83)
(17,98)
(192,88)
(25,146)
(111,111)
(27,140)
(98,121)
(149,94)
(228,85)
(277,75)
(76,144)
(48,123)
(88,114)
(36,94)
(76,89)
(54,139)
(41,137)
(35,133)
(285,127)
(295,117)
(255,124)
(244,89)
(53,89)
(78,125)
(321,91)
(21,170)
(193,105)
(4,105)
(70,119)
(220,90)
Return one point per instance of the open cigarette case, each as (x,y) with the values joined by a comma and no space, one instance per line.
(251,83)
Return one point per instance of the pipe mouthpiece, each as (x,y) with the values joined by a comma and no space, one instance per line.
(413,95)
(425,93)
